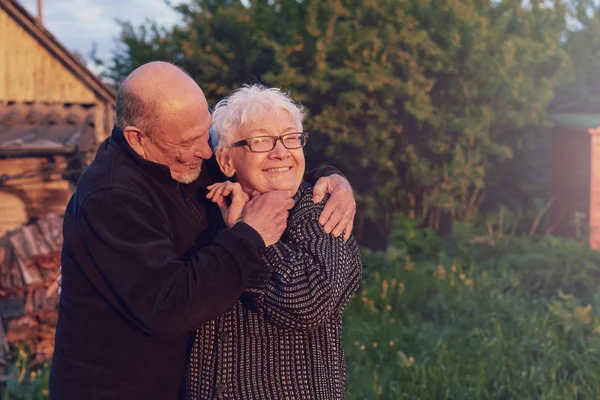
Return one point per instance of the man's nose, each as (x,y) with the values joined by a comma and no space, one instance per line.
(203,151)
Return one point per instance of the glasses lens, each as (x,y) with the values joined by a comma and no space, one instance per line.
(261,143)
(294,140)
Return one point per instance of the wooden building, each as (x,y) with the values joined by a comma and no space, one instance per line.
(574,176)
(53,113)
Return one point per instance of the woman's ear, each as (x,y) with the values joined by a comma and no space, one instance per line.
(225,162)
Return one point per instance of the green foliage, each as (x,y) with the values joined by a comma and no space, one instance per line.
(409,234)
(578,89)
(25,380)
(506,318)
(416,101)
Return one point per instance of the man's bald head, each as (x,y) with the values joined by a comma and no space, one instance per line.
(165,119)
(150,91)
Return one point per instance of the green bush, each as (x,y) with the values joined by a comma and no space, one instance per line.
(490,318)
(26,381)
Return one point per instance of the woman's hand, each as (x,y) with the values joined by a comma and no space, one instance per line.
(231,212)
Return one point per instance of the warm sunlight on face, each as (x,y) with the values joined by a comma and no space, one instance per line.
(278,169)
(183,143)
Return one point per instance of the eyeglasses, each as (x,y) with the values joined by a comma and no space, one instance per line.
(263,144)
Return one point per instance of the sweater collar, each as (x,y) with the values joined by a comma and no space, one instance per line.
(302,190)
(158,171)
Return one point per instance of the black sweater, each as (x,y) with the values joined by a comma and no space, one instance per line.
(142,265)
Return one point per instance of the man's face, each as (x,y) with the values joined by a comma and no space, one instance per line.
(180,141)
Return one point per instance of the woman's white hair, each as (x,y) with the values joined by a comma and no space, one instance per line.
(247,105)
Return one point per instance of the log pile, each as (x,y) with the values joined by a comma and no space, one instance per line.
(29,268)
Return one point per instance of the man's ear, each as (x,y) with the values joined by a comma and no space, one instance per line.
(135,139)
(225,162)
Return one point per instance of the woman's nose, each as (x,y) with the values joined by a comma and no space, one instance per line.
(280,151)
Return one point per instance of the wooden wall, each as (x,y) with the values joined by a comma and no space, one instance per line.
(29,72)
(569,175)
(13,212)
(104,120)
(595,188)
(32,197)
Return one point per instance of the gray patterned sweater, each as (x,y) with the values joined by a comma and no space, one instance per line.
(283,338)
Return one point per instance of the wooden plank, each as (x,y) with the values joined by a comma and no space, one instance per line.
(32,73)
(594,219)
(24,245)
(111,118)
(13,212)
(99,121)
(23,199)
(3,54)
(104,120)
(21,16)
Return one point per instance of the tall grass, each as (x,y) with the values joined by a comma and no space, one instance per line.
(509,318)
(457,318)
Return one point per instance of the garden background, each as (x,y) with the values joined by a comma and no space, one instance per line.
(439,113)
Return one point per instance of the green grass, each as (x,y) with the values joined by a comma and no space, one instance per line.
(516,319)
(26,381)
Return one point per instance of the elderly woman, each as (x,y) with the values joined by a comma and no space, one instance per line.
(282,339)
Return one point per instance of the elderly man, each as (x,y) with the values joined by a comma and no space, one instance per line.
(142,264)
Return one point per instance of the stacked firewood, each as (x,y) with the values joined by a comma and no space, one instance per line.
(35,328)
(29,268)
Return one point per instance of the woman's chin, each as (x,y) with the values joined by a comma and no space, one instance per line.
(292,188)
(282,186)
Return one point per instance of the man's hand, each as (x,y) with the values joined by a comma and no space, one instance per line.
(268,213)
(338,214)
(231,212)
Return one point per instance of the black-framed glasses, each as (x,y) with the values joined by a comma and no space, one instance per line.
(263,144)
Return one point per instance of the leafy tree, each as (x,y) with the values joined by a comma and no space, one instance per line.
(420,102)
(579,88)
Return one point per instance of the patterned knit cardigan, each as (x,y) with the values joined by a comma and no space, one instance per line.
(283,338)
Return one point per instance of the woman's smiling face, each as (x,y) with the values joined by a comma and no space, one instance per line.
(278,169)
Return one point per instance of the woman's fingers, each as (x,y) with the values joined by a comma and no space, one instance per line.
(214,193)
(213,189)
(211,194)
(233,209)
(227,189)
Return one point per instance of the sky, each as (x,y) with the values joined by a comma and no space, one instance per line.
(77,24)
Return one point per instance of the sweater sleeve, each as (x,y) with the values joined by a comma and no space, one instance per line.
(131,261)
(313,175)
(306,277)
